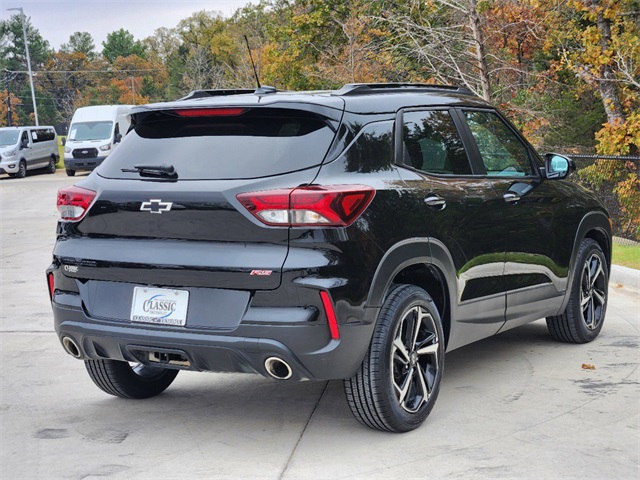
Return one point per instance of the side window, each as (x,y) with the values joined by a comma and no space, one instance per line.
(25,137)
(502,151)
(432,144)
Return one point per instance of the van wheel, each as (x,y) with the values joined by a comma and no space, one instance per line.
(51,168)
(70,173)
(22,169)
(582,320)
(399,380)
(126,381)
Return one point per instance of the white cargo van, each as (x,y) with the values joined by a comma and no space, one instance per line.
(94,132)
(27,148)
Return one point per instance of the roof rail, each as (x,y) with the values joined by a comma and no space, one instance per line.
(369,88)
(216,93)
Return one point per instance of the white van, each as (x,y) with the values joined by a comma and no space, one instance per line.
(28,148)
(93,134)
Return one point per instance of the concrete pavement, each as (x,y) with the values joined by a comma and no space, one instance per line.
(518,405)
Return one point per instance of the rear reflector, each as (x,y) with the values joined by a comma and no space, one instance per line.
(74,202)
(210,112)
(331,315)
(52,285)
(331,206)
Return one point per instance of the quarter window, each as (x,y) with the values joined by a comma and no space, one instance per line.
(432,144)
(502,152)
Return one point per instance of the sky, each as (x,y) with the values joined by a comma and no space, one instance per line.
(57,20)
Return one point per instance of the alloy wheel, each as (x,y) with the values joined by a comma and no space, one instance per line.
(592,292)
(414,359)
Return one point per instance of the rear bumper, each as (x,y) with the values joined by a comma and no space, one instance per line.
(308,349)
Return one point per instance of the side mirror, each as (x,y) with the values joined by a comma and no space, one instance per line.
(118,138)
(63,140)
(558,166)
(24,144)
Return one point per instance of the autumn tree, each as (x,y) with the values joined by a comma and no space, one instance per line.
(121,43)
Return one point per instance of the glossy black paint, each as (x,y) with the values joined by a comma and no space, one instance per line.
(488,263)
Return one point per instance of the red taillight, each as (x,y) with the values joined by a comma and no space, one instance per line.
(210,112)
(52,285)
(331,315)
(313,206)
(74,202)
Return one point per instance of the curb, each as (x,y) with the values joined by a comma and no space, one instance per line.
(629,277)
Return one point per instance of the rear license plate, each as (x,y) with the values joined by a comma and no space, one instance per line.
(161,306)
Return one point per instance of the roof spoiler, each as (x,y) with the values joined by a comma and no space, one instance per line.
(372,88)
(264,90)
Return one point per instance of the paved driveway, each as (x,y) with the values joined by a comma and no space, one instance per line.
(518,405)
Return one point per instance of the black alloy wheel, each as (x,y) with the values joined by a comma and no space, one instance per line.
(399,380)
(582,320)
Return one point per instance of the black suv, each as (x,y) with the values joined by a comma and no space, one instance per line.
(355,234)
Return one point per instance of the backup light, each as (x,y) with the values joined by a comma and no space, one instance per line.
(74,202)
(331,206)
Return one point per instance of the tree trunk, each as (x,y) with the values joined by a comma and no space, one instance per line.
(606,84)
(481,59)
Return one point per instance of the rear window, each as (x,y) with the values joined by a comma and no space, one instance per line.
(254,143)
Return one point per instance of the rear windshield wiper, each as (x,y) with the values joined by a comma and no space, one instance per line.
(156,171)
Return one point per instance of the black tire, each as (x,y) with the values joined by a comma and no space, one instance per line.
(22,169)
(70,173)
(397,385)
(122,380)
(51,168)
(583,318)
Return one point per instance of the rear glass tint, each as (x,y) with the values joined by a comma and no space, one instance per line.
(255,143)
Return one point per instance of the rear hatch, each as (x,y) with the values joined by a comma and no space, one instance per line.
(166,213)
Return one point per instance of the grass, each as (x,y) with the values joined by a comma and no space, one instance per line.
(626,255)
(60,163)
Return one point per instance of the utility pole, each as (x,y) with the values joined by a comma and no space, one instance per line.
(133,92)
(26,46)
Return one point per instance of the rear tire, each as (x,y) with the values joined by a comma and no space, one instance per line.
(51,168)
(399,380)
(70,173)
(22,170)
(122,380)
(583,318)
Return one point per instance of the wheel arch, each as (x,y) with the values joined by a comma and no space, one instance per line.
(423,262)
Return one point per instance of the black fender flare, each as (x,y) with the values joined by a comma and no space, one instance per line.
(594,220)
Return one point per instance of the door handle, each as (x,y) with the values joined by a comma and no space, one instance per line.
(511,197)
(436,202)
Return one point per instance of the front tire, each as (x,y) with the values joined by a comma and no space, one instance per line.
(123,380)
(399,380)
(51,168)
(583,318)
(22,169)
(70,173)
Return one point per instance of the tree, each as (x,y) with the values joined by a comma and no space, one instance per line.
(13,55)
(80,42)
(121,43)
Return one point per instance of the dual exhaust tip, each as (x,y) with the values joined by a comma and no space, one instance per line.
(275,367)
(278,368)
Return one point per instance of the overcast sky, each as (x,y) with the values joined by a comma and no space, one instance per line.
(57,20)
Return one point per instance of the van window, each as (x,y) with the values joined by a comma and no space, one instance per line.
(42,135)
(8,137)
(84,131)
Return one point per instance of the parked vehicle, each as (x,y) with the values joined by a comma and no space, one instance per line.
(28,148)
(355,234)
(93,134)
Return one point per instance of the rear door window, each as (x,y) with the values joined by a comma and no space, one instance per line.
(431,143)
(251,144)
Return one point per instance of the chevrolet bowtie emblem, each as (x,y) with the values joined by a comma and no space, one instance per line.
(155,206)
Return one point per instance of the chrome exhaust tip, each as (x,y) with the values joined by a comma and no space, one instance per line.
(71,347)
(278,368)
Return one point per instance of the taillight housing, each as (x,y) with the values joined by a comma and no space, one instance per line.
(52,284)
(74,202)
(309,206)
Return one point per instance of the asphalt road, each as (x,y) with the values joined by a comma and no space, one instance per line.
(518,405)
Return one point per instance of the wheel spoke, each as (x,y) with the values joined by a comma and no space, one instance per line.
(599,296)
(597,273)
(404,388)
(422,381)
(585,300)
(401,349)
(428,349)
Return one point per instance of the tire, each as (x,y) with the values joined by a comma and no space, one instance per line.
(22,170)
(51,168)
(583,318)
(70,173)
(122,380)
(399,380)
